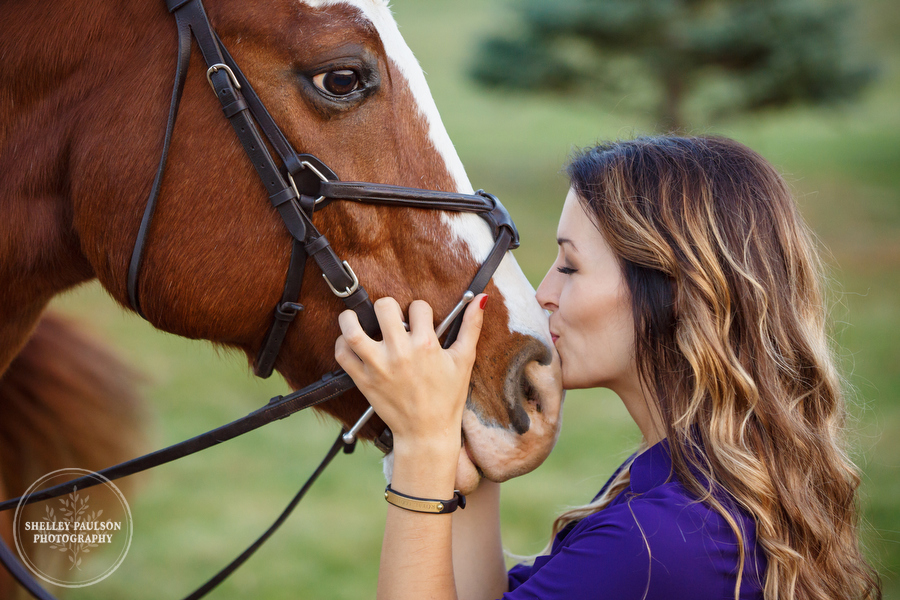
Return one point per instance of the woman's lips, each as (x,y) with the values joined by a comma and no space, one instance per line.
(554,337)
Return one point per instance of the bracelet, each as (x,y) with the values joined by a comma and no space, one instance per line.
(424,505)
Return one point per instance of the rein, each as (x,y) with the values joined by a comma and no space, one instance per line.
(298,185)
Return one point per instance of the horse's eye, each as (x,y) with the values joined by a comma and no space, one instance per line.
(338,83)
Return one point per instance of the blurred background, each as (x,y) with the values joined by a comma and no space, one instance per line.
(811,86)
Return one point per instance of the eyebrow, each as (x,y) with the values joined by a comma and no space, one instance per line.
(560,241)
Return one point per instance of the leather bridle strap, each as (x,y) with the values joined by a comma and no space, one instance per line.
(482,278)
(330,386)
(21,575)
(485,205)
(285,312)
(223,574)
(379,193)
(137,254)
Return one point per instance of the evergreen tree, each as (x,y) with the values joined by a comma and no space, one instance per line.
(768,52)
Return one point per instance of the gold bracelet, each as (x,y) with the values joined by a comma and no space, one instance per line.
(424,505)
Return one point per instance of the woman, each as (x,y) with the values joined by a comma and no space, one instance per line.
(687,283)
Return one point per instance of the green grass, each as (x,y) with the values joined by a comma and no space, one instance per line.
(192,517)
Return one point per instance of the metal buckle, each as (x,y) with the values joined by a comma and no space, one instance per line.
(215,68)
(307,165)
(293,185)
(349,290)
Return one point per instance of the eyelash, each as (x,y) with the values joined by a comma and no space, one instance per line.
(566,270)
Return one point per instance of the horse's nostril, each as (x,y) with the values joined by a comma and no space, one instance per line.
(518,419)
(523,394)
(509,438)
(530,393)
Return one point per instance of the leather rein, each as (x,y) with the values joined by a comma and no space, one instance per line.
(298,185)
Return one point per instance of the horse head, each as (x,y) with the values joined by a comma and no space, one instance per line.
(343,85)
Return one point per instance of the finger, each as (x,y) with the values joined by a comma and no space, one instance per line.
(470,330)
(390,319)
(347,358)
(353,333)
(421,320)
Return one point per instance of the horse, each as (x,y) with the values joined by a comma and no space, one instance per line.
(84,101)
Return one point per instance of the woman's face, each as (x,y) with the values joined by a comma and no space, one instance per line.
(591,321)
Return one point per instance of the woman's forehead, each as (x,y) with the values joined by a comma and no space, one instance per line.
(575,226)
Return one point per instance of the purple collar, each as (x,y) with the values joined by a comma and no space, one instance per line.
(651,468)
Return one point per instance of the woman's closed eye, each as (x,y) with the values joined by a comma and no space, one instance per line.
(566,270)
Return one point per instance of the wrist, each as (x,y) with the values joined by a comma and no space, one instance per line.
(426,470)
(431,449)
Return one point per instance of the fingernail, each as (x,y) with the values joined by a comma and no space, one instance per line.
(483,302)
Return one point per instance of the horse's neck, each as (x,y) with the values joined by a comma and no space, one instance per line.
(53,54)
(47,45)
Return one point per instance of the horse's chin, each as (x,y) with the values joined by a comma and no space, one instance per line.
(467,474)
(499,453)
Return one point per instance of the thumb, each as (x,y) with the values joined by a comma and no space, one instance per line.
(470,330)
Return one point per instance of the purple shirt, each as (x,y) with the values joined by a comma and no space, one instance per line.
(693,553)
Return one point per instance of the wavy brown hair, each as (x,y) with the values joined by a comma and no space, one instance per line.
(730,339)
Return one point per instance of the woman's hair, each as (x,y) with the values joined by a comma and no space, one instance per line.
(730,341)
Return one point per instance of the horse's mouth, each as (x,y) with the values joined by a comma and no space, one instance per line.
(502,444)
(468,473)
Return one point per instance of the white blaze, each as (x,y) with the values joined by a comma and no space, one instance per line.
(525,316)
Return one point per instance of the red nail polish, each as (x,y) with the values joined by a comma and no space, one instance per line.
(483,302)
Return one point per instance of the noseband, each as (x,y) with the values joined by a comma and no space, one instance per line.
(298,185)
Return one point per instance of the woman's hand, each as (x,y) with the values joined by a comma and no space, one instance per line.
(417,388)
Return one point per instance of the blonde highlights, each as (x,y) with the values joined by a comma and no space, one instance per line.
(731,341)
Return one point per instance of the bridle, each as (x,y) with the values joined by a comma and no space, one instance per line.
(298,185)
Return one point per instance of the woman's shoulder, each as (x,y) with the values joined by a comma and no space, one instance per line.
(660,544)
(657,506)
(661,535)
(678,546)
(654,540)
(665,517)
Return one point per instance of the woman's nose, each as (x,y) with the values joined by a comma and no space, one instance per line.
(546,296)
